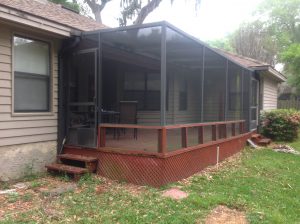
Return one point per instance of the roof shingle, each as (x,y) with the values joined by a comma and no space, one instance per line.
(53,12)
(242,60)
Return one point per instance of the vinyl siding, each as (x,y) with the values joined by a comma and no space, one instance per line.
(173,114)
(270,87)
(18,129)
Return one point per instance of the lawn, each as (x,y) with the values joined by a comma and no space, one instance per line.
(262,183)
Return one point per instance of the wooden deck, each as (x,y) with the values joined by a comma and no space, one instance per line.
(163,154)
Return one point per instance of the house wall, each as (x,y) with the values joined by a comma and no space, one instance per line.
(20,133)
(269,92)
(173,114)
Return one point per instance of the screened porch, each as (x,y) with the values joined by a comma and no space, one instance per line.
(127,84)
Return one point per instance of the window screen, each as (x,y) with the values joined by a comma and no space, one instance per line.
(31,75)
(143,88)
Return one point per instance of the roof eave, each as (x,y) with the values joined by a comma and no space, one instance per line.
(23,18)
(276,74)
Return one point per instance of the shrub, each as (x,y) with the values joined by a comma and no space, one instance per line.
(281,124)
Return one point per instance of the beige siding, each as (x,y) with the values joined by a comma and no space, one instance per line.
(174,115)
(15,128)
(270,87)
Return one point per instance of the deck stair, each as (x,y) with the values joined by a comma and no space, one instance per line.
(74,165)
(260,140)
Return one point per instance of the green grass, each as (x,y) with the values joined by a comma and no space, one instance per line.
(264,184)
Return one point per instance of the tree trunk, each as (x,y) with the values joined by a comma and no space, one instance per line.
(98,16)
(146,10)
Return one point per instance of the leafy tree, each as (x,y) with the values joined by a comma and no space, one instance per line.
(223,43)
(283,20)
(136,10)
(71,5)
(255,40)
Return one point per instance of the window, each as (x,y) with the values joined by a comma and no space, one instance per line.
(31,75)
(183,94)
(144,88)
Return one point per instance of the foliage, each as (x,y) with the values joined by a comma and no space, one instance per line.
(291,58)
(223,44)
(281,124)
(283,20)
(133,10)
(254,40)
(71,5)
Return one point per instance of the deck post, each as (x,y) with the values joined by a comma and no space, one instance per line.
(184,141)
(233,129)
(102,137)
(214,132)
(200,135)
(224,130)
(162,140)
(241,127)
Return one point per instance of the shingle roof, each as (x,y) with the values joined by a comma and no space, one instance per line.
(242,60)
(251,63)
(53,12)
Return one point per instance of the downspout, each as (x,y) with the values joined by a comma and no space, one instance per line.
(67,46)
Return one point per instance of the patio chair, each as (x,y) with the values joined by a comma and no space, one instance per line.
(128,114)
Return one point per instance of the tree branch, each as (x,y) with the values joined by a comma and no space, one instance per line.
(146,10)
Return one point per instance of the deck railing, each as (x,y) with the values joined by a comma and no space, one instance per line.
(218,130)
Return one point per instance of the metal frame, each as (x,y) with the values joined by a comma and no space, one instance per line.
(167,25)
(163,76)
(95,103)
(163,86)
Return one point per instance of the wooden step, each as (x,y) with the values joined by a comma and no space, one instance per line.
(89,162)
(78,158)
(264,142)
(256,136)
(75,171)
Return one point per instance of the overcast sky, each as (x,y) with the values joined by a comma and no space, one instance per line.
(214,20)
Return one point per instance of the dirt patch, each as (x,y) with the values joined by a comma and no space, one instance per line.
(175,193)
(225,215)
(29,196)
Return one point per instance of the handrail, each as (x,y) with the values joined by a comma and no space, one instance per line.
(173,126)
(162,131)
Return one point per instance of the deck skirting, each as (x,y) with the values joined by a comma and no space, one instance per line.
(157,169)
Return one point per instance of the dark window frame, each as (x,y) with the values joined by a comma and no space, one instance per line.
(34,76)
(145,93)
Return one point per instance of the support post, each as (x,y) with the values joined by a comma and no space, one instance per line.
(241,127)
(163,77)
(200,135)
(102,136)
(162,140)
(184,141)
(214,132)
(233,129)
(224,130)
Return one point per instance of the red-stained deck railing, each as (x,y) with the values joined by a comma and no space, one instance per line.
(162,131)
